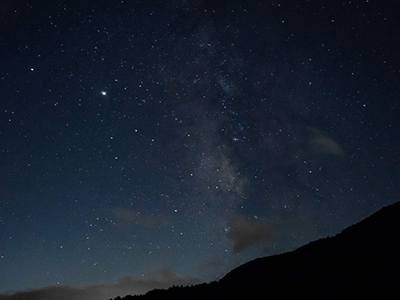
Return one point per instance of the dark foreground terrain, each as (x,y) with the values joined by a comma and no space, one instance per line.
(362,262)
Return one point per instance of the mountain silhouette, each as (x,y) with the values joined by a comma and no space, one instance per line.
(361,262)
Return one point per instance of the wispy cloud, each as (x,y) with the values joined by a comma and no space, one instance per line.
(125,286)
(245,233)
(127,216)
(324,144)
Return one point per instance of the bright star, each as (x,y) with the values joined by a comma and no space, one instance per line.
(103,93)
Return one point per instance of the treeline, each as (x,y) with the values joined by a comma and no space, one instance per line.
(207,291)
(200,291)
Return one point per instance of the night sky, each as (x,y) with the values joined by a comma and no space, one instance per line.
(179,139)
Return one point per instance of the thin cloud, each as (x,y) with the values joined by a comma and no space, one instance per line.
(326,145)
(245,233)
(126,286)
(130,217)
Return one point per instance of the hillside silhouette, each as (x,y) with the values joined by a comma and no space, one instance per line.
(361,262)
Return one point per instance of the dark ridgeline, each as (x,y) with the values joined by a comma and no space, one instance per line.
(362,262)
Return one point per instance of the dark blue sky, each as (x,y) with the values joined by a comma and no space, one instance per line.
(188,137)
